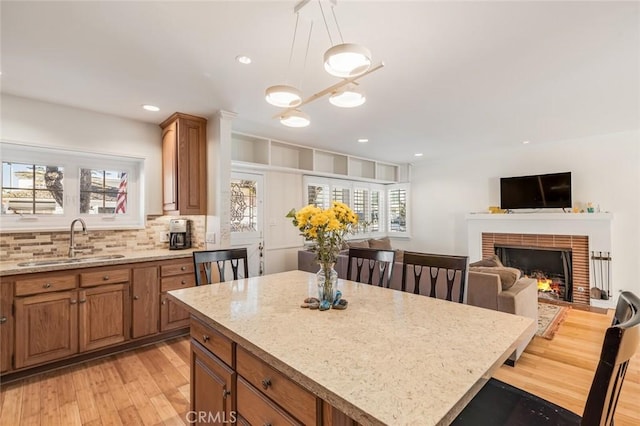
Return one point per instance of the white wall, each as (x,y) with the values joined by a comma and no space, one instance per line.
(44,124)
(605,170)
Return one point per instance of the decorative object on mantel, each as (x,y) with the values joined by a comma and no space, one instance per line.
(327,228)
(549,319)
(347,61)
(601,267)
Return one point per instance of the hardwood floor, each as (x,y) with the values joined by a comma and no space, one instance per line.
(150,386)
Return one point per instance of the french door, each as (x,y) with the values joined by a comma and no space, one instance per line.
(247,217)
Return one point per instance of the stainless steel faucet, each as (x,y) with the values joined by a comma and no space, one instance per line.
(72,245)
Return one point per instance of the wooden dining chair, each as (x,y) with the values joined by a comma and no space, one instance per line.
(203,261)
(447,274)
(369,263)
(498,403)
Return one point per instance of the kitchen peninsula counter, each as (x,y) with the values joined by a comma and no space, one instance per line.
(390,358)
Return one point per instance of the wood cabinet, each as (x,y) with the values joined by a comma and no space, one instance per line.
(103,316)
(6,326)
(145,312)
(184,166)
(225,376)
(174,275)
(46,327)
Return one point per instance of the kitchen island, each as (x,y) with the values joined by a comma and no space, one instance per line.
(390,358)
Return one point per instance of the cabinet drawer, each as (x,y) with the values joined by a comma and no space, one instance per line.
(45,284)
(177,282)
(219,345)
(185,267)
(298,401)
(256,409)
(107,276)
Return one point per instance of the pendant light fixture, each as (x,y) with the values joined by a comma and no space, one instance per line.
(348,61)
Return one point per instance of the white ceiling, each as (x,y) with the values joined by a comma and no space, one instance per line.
(457,75)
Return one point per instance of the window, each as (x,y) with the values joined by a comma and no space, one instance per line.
(397,209)
(366,200)
(244,209)
(46,188)
(32,189)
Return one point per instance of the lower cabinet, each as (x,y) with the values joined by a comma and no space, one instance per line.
(145,291)
(225,376)
(174,276)
(212,387)
(6,326)
(104,316)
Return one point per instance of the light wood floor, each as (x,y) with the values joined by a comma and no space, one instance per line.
(150,386)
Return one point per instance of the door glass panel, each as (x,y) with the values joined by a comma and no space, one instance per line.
(398,210)
(374,219)
(361,208)
(244,207)
(32,189)
(103,191)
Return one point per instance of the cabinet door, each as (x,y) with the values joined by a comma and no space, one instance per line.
(6,326)
(212,391)
(104,316)
(170,167)
(172,316)
(145,289)
(192,166)
(46,327)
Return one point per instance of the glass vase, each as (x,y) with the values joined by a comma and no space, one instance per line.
(327,282)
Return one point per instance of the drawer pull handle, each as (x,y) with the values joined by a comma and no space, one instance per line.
(184,268)
(82,300)
(266,383)
(225,393)
(73,301)
(3,320)
(183,282)
(106,277)
(205,338)
(46,285)
(136,297)
(164,301)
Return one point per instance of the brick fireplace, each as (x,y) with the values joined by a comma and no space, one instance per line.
(578,245)
(579,234)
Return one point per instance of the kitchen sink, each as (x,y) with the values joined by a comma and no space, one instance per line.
(71,260)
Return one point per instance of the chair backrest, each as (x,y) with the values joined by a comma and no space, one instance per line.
(621,342)
(203,261)
(447,274)
(369,263)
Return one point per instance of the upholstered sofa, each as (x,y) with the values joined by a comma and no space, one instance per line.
(485,288)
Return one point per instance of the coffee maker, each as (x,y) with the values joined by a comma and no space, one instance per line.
(179,234)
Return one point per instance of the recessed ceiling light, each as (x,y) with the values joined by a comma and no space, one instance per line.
(151,108)
(525,142)
(243,59)
(363,140)
(418,154)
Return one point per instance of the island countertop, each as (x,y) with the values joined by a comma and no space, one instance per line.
(390,358)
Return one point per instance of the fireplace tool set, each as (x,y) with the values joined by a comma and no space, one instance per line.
(601,267)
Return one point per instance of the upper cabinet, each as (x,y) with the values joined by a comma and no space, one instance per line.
(257,151)
(184,165)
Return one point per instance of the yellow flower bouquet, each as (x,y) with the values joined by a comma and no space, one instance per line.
(327,228)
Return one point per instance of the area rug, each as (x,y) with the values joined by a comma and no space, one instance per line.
(549,319)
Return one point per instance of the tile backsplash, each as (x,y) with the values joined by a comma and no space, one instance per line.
(29,245)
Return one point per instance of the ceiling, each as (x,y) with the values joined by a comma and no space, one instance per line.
(457,76)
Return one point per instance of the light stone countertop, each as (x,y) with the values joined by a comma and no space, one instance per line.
(390,358)
(12,268)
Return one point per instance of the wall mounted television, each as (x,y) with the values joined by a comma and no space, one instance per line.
(551,190)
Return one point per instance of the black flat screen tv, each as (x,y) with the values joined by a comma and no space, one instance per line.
(534,192)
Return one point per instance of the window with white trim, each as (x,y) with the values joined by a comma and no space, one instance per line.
(45,189)
(366,199)
(397,210)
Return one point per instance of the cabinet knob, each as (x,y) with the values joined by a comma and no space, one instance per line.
(136,297)
(3,320)
(183,268)
(266,383)
(73,301)
(225,393)
(82,300)
(164,301)
(183,282)
(205,338)
(106,277)
(46,285)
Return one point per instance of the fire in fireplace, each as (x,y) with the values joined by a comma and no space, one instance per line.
(552,267)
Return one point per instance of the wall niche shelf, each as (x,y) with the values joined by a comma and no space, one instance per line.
(256,151)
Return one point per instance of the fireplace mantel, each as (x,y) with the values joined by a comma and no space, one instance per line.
(595,226)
